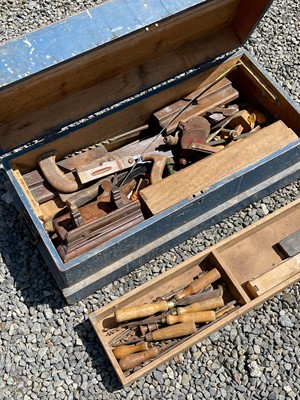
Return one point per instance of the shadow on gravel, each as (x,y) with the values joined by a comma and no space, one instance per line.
(30,276)
(98,357)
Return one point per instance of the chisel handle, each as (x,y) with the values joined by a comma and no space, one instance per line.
(197,316)
(225,310)
(143,310)
(172,332)
(199,284)
(205,305)
(133,360)
(125,350)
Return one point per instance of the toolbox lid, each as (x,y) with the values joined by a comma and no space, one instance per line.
(68,70)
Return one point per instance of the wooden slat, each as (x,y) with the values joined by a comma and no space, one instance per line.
(168,112)
(204,173)
(34,204)
(229,278)
(275,276)
(51,208)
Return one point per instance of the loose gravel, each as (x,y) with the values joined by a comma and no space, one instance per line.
(48,349)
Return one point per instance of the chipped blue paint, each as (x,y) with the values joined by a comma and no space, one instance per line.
(45,48)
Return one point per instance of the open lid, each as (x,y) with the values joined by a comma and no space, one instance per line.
(59,74)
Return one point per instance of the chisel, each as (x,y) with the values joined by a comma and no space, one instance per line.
(133,360)
(197,316)
(171,332)
(147,309)
(125,350)
(228,307)
(205,305)
(199,284)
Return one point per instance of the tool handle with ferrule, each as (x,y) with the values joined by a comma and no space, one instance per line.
(133,360)
(172,332)
(143,310)
(125,350)
(197,316)
(224,310)
(199,284)
(205,305)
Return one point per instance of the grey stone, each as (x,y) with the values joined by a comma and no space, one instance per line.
(255,370)
(256,349)
(36,328)
(241,388)
(185,379)
(285,320)
(48,313)
(158,376)
(215,336)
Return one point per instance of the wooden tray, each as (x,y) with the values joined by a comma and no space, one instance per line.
(251,264)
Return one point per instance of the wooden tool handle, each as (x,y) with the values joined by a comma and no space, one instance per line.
(143,310)
(197,316)
(171,332)
(205,305)
(133,360)
(54,175)
(199,284)
(159,163)
(224,311)
(122,351)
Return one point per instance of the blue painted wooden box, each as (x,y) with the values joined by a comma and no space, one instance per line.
(116,63)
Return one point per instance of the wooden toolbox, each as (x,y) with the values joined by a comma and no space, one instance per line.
(252,266)
(112,77)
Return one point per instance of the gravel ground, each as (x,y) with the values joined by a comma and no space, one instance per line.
(48,349)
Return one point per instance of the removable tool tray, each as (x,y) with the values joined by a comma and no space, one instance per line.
(244,260)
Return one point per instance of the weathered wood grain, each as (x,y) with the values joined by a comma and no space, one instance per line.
(204,173)
(275,276)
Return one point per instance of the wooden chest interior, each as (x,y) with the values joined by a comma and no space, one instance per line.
(250,82)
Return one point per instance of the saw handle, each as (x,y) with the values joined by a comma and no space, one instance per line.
(159,163)
(123,351)
(205,305)
(172,332)
(144,310)
(54,175)
(198,316)
(199,284)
